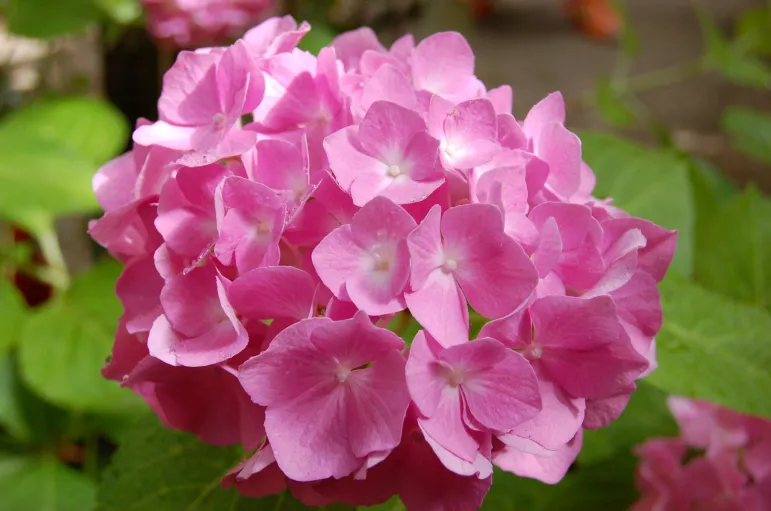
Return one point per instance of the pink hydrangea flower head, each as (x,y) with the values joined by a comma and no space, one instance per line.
(727,467)
(290,216)
(195,23)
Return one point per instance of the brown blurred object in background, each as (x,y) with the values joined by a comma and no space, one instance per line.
(598,19)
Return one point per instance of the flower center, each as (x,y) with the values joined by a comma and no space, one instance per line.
(342,374)
(394,171)
(381,263)
(450,265)
(534,352)
(219,121)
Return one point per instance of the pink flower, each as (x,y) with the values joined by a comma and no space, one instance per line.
(390,154)
(191,23)
(198,326)
(346,375)
(204,96)
(251,224)
(462,255)
(286,207)
(724,471)
(367,262)
(467,388)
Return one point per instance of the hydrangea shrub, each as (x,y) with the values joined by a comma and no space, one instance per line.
(721,461)
(289,216)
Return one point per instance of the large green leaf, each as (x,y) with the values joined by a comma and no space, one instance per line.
(729,59)
(750,132)
(23,415)
(121,11)
(42,483)
(89,127)
(605,485)
(646,416)
(713,348)
(12,314)
(49,18)
(734,256)
(41,180)
(649,183)
(159,469)
(753,29)
(64,345)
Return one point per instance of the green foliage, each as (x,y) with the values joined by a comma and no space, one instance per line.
(12,313)
(42,483)
(652,184)
(731,60)
(24,415)
(646,416)
(753,30)
(605,485)
(49,152)
(713,348)
(121,11)
(750,132)
(50,18)
(64,345)
(160,469)
(321,36)
(611,105)
(91,128)
(735,252)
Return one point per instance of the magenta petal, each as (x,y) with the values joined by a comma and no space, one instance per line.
(336,259)
(559,420)
(346,161)
(355,342)
(377,405)
(561,149)
(273,292)
(497,286)
(546,466)
(499,386)
(440,307)
(424,383)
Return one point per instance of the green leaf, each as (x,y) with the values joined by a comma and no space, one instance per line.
(646,416)
(40,181)
(713,348)
(123,12)
(159,469)
(392,505)
(750,132)
(753,30)
(648,183)
(611,105)
(65,343)
(43,483)
(49,18)
(735,254)
(729,59)
(24,415)
(91,128)
(12,314)
(605,485)
(321,36)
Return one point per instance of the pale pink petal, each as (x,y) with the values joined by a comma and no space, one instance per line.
(273,292)
(389,84)
(347,161)
(546,466)
(549,109)
(440,307)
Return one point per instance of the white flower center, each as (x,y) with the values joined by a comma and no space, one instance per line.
(450,265)
(394,171)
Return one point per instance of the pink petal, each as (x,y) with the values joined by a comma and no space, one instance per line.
(499,386)
(273,292)
(139,289)
(336,259)
(497,286)
(425,245)
(386,131)
(549,109)
(347,161)
(389,84)
(502,99)
(190,96)
(440,307)
(447,429)
(442,62)
(167,135)
(546,466)
(561,149)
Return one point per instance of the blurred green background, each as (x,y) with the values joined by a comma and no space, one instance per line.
(671,99)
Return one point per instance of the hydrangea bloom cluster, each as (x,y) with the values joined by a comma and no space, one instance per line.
(194,23)
(721,462)
(286,208)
